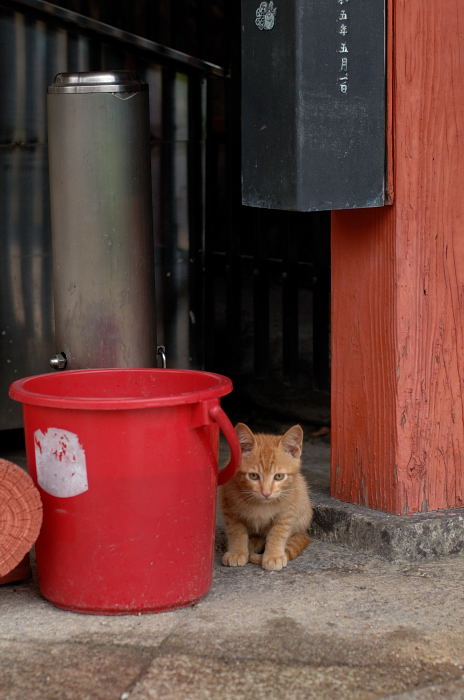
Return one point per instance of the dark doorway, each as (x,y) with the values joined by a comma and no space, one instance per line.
(240,291)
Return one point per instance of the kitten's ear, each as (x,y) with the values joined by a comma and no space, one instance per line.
(245,437)
(292,441)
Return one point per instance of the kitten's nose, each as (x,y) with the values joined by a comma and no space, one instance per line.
(266,494)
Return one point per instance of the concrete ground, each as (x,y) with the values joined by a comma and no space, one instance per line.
(335,624)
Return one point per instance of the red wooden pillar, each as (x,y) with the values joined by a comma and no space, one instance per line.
(398,287)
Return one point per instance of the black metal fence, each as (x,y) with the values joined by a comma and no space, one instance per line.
(267,288)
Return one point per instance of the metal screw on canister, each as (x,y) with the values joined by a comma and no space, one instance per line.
(58,361)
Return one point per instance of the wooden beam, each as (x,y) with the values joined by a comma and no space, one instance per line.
(398,287)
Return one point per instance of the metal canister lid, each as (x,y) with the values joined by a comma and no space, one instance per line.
(97,81)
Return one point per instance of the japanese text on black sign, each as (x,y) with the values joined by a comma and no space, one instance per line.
(343,32)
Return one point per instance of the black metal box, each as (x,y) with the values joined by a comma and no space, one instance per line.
(313,104)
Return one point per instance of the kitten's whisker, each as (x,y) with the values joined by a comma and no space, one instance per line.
(248,495)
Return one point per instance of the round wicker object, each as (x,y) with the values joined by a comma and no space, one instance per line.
(20,515)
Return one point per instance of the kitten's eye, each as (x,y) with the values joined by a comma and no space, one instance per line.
(279,477)
(253,476)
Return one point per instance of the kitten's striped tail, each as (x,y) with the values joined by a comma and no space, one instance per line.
(296,543)
(256,558)
(256,547)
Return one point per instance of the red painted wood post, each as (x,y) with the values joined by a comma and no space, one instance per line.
(398,287)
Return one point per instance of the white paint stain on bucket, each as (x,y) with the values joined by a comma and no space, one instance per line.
(60,462)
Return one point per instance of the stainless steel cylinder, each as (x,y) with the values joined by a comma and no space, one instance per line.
(101,218)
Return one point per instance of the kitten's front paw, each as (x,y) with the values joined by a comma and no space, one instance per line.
(234,559)
(274,563)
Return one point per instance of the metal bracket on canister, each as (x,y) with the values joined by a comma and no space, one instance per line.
(161,352)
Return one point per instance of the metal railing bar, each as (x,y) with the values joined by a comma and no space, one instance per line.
(167,206)
(261,303)
(211,159)
(196,218)
(290,301)
(180,59)
(248,257)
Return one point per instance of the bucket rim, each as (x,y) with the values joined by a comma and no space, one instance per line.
(21,390)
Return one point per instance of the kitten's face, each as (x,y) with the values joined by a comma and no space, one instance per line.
(269,463)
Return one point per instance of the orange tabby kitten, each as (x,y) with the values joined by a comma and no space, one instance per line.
(266,506)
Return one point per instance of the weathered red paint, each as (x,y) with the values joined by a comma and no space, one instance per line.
(398,287)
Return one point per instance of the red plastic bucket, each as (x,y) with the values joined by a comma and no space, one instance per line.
(126,464)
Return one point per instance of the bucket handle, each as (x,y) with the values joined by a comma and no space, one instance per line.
(218,415)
